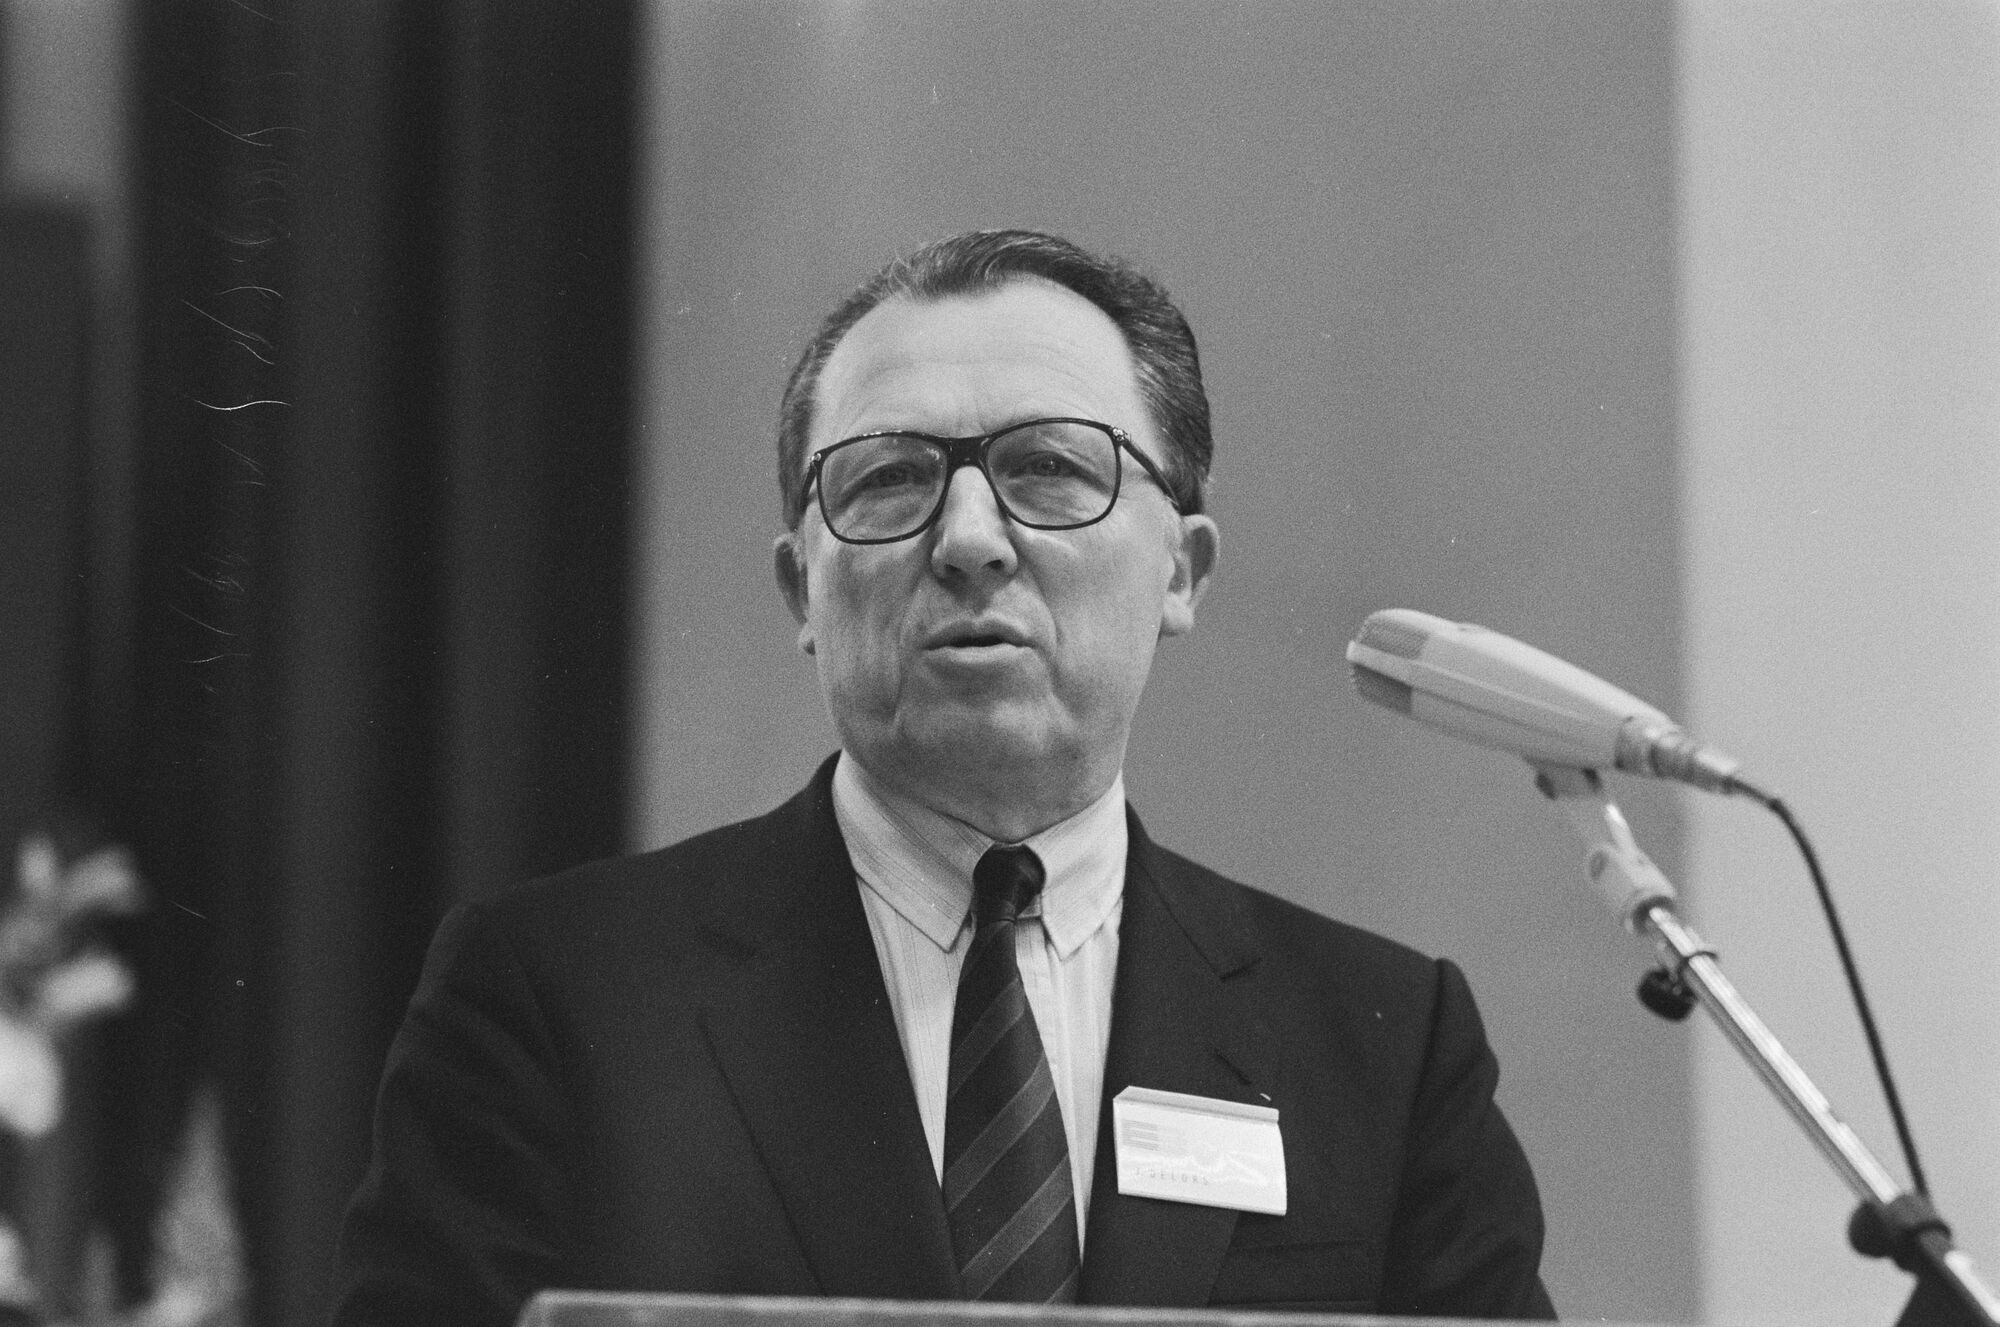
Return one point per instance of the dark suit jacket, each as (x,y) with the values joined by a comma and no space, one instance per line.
(680,1071)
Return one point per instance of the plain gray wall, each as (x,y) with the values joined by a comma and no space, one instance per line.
(1840,448)
(1428,251)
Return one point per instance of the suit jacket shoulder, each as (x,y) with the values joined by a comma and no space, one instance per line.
(1240,916)
(728,884)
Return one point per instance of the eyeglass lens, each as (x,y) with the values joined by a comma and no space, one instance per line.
(1050,473)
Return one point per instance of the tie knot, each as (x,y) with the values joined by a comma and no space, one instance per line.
(1005,881)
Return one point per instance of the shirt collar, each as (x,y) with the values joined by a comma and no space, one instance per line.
(920,861)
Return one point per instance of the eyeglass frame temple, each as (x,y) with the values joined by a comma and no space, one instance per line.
(961,452)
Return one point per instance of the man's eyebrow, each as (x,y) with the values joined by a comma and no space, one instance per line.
(1013,422)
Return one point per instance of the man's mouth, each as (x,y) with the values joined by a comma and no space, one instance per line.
(973,637)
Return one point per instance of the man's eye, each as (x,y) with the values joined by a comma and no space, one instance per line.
(898,475)
(1042,465)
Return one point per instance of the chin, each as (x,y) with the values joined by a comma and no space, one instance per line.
(987,738)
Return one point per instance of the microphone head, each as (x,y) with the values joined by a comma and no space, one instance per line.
(1495,691)
(1386,633)
(1492,690)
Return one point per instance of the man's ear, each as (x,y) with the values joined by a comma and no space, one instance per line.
(1195,546)
(788,561)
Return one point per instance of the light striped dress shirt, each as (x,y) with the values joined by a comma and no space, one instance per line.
(915,872)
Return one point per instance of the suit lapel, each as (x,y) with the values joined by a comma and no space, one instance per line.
(806,1039)
(1177,1023)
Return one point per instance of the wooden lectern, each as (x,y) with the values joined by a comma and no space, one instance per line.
(575,1308)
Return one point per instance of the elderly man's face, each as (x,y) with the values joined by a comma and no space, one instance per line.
(989,669)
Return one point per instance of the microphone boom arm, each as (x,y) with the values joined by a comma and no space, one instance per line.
(1891,1221)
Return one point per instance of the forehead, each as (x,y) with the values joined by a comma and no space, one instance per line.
(967,364)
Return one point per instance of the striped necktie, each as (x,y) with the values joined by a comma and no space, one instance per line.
(1006,1160)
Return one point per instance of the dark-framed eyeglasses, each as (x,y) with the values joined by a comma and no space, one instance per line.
(1047,474)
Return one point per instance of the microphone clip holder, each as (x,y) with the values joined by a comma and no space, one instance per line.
(1891,1222)
(1665,994)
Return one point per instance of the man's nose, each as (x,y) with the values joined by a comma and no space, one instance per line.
(972,532)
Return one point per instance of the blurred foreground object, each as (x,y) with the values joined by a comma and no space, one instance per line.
(54,975)
(57,974)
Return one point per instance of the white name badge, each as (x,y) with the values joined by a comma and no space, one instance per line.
(1199,1150)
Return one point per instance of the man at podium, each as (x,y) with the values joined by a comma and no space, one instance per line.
(948,1024)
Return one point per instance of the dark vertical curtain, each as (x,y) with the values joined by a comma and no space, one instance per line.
(383,368)
(46,303)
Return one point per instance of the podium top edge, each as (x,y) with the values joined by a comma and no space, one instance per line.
(580,1308)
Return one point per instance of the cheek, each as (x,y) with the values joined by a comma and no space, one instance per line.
(1114,623)
(855,617)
